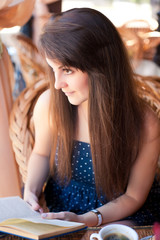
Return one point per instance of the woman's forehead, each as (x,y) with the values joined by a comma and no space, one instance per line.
(52,61)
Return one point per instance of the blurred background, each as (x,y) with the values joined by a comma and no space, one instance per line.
(117,10)
(136,20)
(138,23)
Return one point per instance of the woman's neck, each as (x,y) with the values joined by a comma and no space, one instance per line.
(83,112)
(82,132)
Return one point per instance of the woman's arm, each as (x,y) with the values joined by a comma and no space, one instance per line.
(141,177)
(38,166)
(139,185)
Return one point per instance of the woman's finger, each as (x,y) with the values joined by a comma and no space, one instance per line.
(34,205)
(68,216)
(51,215)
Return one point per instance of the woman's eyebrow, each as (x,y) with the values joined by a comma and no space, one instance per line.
(61,66)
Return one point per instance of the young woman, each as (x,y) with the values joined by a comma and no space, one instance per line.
(94,135)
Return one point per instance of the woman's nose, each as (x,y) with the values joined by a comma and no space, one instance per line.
(59,82)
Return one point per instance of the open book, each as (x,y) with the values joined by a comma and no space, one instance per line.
(17,218)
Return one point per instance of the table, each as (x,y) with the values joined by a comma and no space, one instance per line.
(142,231)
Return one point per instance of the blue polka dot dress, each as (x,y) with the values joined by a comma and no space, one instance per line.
(79,196)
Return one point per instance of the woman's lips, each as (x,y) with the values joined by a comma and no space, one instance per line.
(68,93)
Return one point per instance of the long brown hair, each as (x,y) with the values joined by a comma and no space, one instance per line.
(86,39)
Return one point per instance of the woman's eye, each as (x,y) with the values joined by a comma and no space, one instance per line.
(67,70)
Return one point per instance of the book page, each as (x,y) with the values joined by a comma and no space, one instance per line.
(15,207)
(31,227)
(40,220)
(56,222)
(36,231)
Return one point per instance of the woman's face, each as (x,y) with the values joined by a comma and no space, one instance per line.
(73,82)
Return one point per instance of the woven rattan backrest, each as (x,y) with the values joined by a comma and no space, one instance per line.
(31,62)
(139,25)
(21,124)
(149,89)
(150,41)
(132,42)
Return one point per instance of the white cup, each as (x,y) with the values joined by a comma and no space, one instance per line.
(128,232)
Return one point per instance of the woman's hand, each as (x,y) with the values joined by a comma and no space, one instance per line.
(32,200)
(89,219)
(68,216)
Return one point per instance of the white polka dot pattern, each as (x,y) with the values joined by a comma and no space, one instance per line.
(80,196)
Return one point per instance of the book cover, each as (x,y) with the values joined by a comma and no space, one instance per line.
(17,218)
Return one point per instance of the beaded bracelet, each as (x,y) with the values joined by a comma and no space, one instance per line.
(99,216)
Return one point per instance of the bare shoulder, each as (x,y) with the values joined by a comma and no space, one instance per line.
(41,108)
(151,125)
(43,100)
(42,124)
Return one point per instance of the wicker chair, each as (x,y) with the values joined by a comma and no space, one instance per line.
(150,42)
(22,128)
(21,124)
(148,37)
(149,89)
(31,62)
(133,43)
(140,25)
